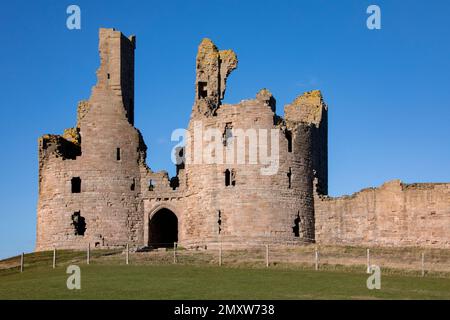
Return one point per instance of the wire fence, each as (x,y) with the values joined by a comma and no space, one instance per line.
(408,261)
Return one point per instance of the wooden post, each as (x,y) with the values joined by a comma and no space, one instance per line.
(423,264)
(174,252)
(368,261)
(267,255)
(127,256)
(21,262)
(317,259)
(54,258)
(88,257)
(220,254)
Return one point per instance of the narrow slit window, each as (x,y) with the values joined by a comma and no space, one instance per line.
(76,185)
(289,175)
(296,227)
(118,154)
(109,76)
(219,221)
(289,140)
(151,186)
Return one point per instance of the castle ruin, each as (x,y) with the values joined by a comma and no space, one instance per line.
(96,188)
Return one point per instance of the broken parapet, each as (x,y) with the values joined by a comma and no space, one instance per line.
(115,75)
(82,110)
(307,108)
(310,113)
(266,97)
(73,134)
(213,68)
(67,145)
(59,146)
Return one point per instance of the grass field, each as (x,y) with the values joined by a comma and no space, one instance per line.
(109,278)
(192,282)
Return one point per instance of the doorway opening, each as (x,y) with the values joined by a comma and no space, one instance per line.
(163,229)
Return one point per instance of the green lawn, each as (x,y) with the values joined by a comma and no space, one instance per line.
(210,282)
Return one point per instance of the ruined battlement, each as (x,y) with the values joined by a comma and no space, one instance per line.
(96,189)
(212,70)
(59,146)
(308,108)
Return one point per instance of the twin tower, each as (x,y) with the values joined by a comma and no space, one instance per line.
(95,187)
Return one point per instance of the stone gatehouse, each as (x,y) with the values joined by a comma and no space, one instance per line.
(95,186)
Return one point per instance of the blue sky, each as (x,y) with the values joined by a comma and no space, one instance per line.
(388,90)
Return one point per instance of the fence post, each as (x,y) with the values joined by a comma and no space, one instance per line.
(368,261)
(267,255)
(220,254)
(174,252)
(127,256)
(423,264)
(88,256)
(21,262)
(54,258)
(317,259)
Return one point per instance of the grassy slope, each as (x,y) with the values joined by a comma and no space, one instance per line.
(194,282)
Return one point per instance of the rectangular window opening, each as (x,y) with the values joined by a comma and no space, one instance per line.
(76,185)
(118,155)
(289,175)
(227,178)
(202,90)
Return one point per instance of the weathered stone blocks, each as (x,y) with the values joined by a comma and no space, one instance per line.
(95,187)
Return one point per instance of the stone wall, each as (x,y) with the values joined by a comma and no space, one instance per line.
(396,214)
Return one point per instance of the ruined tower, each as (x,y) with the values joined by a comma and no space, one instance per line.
(235,201)
(89,178)
(264,181)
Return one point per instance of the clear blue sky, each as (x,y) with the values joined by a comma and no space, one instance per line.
(388,90)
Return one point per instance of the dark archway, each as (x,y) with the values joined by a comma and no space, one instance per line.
(163,229)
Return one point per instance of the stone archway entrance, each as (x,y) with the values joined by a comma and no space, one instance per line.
(163,229)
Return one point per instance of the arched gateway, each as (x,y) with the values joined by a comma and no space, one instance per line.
(163,229)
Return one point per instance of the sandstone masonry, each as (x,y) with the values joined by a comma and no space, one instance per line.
(95,187)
